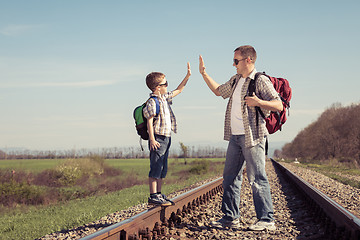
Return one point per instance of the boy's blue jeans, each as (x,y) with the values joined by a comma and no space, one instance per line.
(159,157)
(236,156)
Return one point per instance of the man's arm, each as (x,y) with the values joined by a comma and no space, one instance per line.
(183,83)
(274,105)
(209,81)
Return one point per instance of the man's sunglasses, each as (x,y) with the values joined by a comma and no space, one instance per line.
(236,61)
(164,84)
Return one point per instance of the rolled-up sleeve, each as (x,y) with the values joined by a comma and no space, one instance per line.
(225,89)
(266,91)
(169,97)
(150,109)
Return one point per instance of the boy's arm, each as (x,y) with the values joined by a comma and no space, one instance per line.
(183,83)
(153,143)
(209,81)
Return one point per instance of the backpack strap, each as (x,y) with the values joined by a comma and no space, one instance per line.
(251,89)
(157,104)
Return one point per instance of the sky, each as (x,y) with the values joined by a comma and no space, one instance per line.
(72,72)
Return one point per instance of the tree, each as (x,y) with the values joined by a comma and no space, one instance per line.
(185,150)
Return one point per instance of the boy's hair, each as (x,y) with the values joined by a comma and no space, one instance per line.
(154,79)
(247,51)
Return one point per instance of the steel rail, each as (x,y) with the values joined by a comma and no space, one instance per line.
(340,223)
(140,225)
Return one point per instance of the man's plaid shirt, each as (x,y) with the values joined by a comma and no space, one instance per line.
(265,91)
(160,125)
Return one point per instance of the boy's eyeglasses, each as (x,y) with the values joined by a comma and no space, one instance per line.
(164,84)
(236,61)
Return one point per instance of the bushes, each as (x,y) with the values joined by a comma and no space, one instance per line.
(74,178)
(335,135)
(199,167)
(13,192)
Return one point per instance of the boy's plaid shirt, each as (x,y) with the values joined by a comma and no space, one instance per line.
(160,125)
(265,91)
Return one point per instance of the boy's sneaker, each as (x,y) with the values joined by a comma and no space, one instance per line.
(158,200)
(226,223)
(167,199)
(262,225)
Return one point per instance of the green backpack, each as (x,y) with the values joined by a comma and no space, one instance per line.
(141,121)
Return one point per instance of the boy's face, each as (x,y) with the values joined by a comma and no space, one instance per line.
(163,86)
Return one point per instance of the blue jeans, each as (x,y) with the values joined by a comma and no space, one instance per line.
(159,157)
(236,156)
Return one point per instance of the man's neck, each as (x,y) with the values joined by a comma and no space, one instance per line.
(247,73)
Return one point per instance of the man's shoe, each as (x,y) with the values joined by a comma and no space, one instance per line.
(262,225)
(158,200)
(226,223)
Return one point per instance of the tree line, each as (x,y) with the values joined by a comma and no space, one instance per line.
(113,153)
(334,135)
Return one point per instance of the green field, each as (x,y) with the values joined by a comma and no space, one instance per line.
(31,165)
(30,222)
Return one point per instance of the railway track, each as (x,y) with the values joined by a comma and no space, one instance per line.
(150,223)
(321,217)
(339,223)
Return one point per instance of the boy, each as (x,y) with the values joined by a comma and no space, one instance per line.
(159,129)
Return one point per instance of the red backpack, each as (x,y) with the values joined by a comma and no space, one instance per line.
(276,119)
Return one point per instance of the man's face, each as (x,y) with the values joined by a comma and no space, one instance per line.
(241,63)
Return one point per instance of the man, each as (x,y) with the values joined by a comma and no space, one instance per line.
(246,135)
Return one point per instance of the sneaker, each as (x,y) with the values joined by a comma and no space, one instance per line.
(167,199)
(158,200)
(262,225)
(226,223)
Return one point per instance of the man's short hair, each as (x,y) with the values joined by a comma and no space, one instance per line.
(154,79)
(247,51)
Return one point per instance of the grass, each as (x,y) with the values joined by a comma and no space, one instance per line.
(336,171)
(37,222)
(30,222)
(30,165)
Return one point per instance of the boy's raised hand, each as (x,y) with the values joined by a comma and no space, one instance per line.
(201,65)
(188,70)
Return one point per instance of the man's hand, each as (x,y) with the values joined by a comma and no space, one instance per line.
(252,101)
(201,65)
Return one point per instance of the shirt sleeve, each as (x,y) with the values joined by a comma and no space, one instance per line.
(169,97)
(150,109)
(267,90)
(226,88)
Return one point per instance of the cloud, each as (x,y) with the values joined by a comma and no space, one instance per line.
(96,83)
(76,84)
(18,29)
(24,72)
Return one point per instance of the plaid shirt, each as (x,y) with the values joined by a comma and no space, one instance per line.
(161,126)
(265,91)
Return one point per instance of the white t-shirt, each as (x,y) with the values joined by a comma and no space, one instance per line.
(237,124)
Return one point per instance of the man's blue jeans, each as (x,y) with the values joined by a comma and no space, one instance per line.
(236,156)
